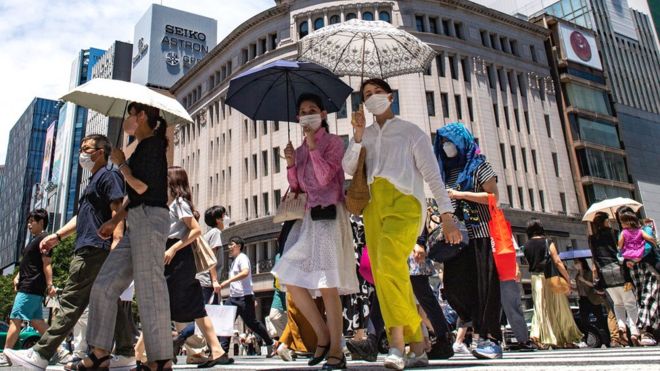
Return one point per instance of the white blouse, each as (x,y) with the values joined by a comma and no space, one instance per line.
(401,153)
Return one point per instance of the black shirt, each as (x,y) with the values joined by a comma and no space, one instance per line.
(32,279)
(149,164)
(603,247)
(535,254)
(104,187)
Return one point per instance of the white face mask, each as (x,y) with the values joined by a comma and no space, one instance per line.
(86,161)
(312,122)
(378,103)
(450,149)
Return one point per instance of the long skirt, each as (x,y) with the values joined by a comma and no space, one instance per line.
(553,322)
(186,298)
(647,290)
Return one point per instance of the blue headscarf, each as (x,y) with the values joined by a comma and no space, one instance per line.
(469,156)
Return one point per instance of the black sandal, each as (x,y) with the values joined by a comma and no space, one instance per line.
(96,363)
(160,365)
(316,360)
(341,365)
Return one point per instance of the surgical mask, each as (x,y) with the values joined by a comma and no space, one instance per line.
(378,103)
(130,126)
(450,149)
(312,122)
(86,161)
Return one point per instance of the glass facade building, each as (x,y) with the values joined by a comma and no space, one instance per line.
(22,171)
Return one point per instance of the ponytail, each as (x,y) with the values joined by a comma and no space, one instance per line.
(154,119)
(160,130)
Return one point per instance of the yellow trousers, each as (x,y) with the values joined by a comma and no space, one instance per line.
(392,224)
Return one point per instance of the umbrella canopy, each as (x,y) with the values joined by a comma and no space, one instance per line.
(367,49)
(270,92)
(110,97)
(609,207)
(575,254)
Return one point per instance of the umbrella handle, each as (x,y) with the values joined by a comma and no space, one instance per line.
(121,126)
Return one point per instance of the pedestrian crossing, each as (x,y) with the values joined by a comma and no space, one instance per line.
(618,359)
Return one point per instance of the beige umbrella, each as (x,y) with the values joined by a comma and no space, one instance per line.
(609,207)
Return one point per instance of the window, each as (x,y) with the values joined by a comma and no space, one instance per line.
(497,115)
(303,29)
(524,158)
(430,103)
(491,76)
(419,23)
(247,168)
(368,16)
(273,41)
(253,51)
(470,112)
(350,16)
(514,158)
(517,118)
(503,154)
(264,196)
(318,23)
(598,132)
(263,47)
(484,38)
(356,99)
(536,169)
(506,118)
(529,132)
(520,196)
(247,208)
(531,198)
(395,102)
(452,68)
(532,51)
(521,85)
(562,199)
(601,164)
(385,17)
(589,99)
(446,29)
(440,64)
(334,19)
(265,127)
(555,162)
(500,78)
(509,192)
(504,44)
(264,158)
(512,86)
(342,114)
(542,200)
(254,129)
(547,125)
(493,41)
(254,167)
(276,125)
(466,69)
(276,160)
(459,111)
(600,192)
(255,205)
(459,30)
(445,104)
(513,45)
(433,25)
(277,195)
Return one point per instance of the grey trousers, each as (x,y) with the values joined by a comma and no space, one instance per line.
(139,258)
(512,307)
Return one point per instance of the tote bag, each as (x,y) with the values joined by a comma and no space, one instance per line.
(556,282)
(204,256)
(292,207)
(222,317)
(504,251)
(357,194)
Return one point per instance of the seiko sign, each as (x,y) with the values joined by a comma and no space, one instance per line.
(194,40)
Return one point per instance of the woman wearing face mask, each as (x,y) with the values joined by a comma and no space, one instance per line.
(399,159)
(318,254)
(470,180)
(139,256)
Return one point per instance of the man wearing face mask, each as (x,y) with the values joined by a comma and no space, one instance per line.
(101,198)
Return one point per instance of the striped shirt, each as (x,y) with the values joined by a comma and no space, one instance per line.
(483,174)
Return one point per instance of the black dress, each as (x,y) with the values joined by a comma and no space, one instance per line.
(186,298)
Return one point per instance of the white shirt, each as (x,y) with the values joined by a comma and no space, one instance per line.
(241,287)
(401,153)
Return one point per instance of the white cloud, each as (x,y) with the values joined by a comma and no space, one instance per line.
(41,38)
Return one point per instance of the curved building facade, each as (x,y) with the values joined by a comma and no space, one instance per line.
(491,73)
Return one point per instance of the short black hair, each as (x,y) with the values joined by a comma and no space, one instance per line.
(378,82)
(311,97)
(212,214)
(239,241)
(599,221)
(101,142)
(38,215)
(535,228)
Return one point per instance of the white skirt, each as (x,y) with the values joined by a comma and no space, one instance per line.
(319,254)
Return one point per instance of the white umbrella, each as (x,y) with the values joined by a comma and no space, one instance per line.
(110,97)
(609,207)
(367,49)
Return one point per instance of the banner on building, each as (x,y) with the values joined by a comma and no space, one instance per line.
(579,46)
(49,149)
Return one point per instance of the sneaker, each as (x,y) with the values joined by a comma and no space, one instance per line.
(460,348)
(394,360)
(3,360)
(26,358)
(122,363)
(414,361)
(284,353)
(363,349)
(487,350)
(647,341)
(442,349)
(582,345)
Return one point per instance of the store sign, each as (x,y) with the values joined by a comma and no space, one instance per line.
(579,46)
(142,48)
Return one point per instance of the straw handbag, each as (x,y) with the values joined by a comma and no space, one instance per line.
(292,207)
(357,194)
(204,256)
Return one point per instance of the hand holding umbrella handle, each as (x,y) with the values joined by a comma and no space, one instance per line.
(359,122)
(289,154)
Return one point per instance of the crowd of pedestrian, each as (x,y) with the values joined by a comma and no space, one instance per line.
(337,274)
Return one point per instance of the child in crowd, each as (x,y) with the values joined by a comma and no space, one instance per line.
(633,240)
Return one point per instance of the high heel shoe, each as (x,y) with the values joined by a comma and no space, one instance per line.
(336,366)
(316,360)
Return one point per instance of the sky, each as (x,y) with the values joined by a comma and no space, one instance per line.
(41,38)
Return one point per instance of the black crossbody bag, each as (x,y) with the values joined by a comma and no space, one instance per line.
(324,213)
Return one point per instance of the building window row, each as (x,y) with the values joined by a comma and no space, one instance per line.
(499,42)
(259,47)
(312,22)
(193,97)
(440,26)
